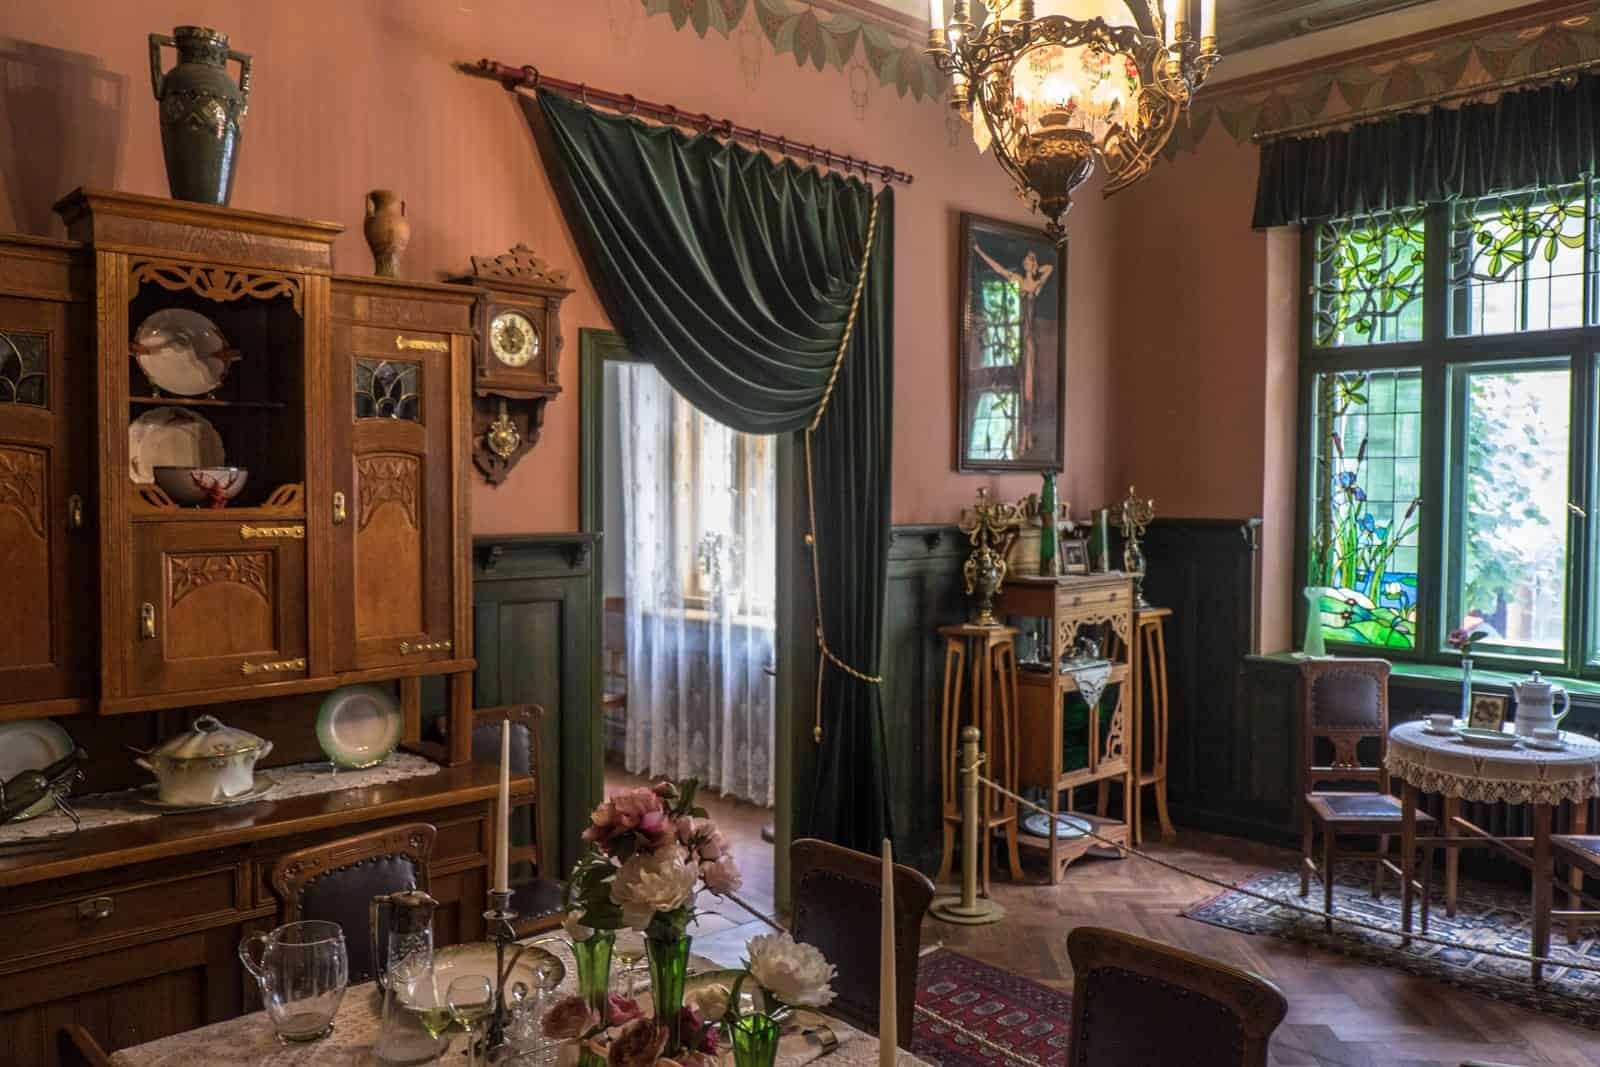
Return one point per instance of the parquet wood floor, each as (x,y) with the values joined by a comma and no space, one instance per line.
(1341,1013)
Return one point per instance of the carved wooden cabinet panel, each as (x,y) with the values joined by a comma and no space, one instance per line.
(217,604)
(46,439)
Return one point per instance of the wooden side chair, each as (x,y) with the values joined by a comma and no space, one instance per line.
(1581,852)
(336,882)
(536,900)
(1139,1001)
(1345,707)
(76,1047)
(838,904)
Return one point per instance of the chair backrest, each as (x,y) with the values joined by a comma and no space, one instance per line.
(76,1047)
(337,880)
(1345,703)
(838,907)
(1139,1001)
(527,722)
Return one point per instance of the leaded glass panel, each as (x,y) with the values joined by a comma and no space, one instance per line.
(994,425)
(24,369)
(1518,261)
(1001,338)
(1367,280)
(1367,508)
(387,389)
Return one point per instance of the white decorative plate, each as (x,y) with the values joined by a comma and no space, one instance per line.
(182,352)
(171,437)
(1067,826)
(1487,738)
(257,791)
(477,957)
(31,745)
(359,726)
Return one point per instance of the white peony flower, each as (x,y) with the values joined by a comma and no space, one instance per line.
(795,974)
(575,928)
(646,884)
(722,877)
(711,1001)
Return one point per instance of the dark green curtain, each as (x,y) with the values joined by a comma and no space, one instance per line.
(734,274)
(1537,137)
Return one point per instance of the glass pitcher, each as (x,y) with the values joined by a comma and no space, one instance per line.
(415,1014)
(302,969)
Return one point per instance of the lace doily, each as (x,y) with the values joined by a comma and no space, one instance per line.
(1521,775)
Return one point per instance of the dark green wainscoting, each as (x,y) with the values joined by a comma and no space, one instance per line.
(534,612)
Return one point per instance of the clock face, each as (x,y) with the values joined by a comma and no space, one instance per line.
(512,339)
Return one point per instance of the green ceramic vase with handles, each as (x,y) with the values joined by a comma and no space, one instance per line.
(201,111)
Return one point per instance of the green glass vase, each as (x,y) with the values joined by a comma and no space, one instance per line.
(594,969)
(755,1041)
(1049,566)
(669,966)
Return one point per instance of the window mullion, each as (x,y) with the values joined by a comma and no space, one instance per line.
(1580,478)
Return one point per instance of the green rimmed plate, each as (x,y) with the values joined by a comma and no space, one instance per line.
(359,726)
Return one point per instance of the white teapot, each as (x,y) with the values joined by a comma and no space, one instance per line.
(1536,705)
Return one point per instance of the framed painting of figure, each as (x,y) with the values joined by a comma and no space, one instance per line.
(1011,356)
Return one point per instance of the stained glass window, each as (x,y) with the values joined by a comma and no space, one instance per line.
(1367,509)
(23,369)
(387,389)
(1518,260)
(1367,282)
(994,425)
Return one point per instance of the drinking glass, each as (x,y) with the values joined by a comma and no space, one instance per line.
(302,969)
(629,951)
(471,1000)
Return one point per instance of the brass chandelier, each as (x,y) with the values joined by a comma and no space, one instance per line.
(1061,95)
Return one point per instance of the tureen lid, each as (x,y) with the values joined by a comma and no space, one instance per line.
(207,737)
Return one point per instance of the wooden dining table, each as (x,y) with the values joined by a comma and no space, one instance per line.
(1446,764)
(249,1041)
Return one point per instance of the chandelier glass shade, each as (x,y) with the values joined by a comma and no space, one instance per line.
(1058,88)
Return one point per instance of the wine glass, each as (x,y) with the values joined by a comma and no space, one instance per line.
(629,950)
(471,1000)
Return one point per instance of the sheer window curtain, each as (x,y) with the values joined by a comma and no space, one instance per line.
(699,531)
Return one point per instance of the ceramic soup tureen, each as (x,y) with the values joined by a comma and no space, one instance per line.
(207,764)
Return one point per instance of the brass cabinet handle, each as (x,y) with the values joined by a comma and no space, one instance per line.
(402,342)
(74,512)
(292,533)
(96,908)
(409,649)
(276,667)
(147,620)
(339,513)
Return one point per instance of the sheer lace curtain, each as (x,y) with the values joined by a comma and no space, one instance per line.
(699,528)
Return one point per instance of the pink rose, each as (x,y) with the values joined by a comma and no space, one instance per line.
(687,828)
(569,1019)
(638,1045)
(633,805)
(713,846)
(665,789)
(655,828)
(698,1034)
(622,1010)
(722,876)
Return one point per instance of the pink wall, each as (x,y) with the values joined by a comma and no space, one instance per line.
(353,96)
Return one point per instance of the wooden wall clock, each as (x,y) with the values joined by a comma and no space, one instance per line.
(516,369)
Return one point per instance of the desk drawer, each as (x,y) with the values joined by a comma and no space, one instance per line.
(1096,598)
(87,917)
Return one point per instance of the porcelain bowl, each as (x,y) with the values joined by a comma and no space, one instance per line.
(191,487)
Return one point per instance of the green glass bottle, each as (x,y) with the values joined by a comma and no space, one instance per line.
(1048,565)
(669,966)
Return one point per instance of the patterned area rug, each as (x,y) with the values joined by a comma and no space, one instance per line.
(1486,916)
(1030,1019)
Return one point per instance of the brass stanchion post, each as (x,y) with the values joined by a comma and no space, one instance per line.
(969,909)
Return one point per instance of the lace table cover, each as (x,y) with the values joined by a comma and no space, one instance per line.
(294,780)
(248,1041)
(1521,775)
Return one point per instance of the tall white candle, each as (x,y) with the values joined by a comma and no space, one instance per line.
(1172,19)
(888,1016)
(936,14)
(1208,19)
(502,843)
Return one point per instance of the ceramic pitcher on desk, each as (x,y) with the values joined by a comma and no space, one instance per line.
(1536,702)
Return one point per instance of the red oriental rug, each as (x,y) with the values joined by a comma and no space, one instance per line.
(1030,1019)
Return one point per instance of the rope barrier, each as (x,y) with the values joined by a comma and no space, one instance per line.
(1521,957)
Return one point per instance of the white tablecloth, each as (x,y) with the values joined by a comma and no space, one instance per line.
(1521,775)
(248,1041)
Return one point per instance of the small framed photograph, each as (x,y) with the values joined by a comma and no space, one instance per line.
(1073,555)
(1488,711)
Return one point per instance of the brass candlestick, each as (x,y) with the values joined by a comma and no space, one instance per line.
(1134,517)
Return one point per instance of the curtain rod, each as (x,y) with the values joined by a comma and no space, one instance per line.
(529,77)
(1567,74)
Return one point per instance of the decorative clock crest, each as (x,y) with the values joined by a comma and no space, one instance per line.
(516,370)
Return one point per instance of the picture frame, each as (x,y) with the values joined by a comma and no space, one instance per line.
(1011,348)
(1488,711)
(1072,555)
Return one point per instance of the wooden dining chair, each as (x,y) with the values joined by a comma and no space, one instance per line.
(76,1047)
(536,899)
(838,908)
(1345,717)
(1136,1001)
(337,880)
(1581,853)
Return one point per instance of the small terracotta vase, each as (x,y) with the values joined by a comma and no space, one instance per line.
(388,232)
